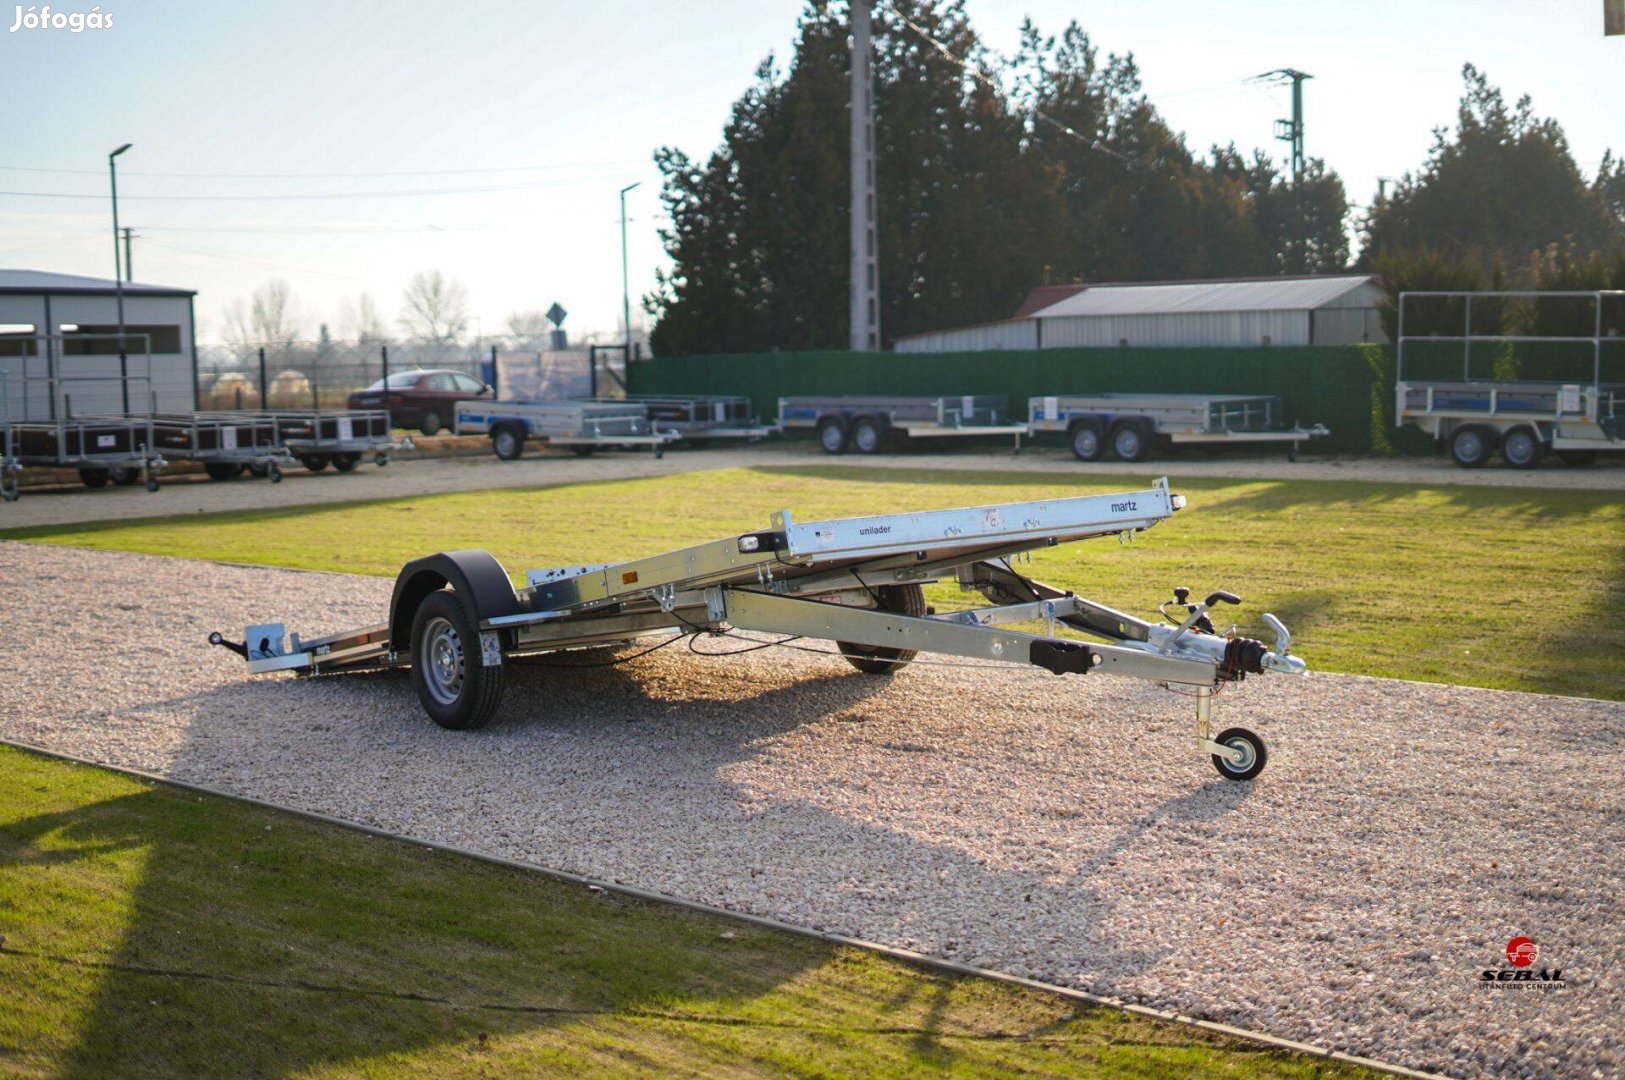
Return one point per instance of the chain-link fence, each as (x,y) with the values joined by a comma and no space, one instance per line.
(323,374)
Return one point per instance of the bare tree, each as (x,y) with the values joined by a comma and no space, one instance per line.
(268,317)
(528,328)
(360,320)
(435,308)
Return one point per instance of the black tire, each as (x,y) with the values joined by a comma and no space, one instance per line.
(260,470)
(314,462)
(93,478)
(152,483)
(1087,443)
(832,436)
(222,470)
(457,691)
(1471,446)
(872,660)
(1257,755)
(866,435)
(1292,452)
(507,442)
(431,424)
(1128,442)
(1577,458)
(1521,448)
(346,462)
(124,475)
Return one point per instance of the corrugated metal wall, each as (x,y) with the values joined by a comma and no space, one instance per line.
(1022,334)
(1193,328)
(1346,326)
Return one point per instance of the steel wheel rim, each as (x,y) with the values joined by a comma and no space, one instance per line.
(866,438)
(1519,448)
(1086,442)
(442,661)
(1128,443)
(1469,445)
(832,438)
(505,443)
(1247,756)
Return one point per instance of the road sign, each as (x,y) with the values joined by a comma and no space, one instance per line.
(556,314)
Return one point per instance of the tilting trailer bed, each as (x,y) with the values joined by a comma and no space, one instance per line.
(1129,424)
(580,426)
(865,424)
(1523,421)
(698,418)
(456,620)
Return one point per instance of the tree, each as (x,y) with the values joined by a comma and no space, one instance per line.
(268,317)
(1502,188)
(528,328)
(435,308)
(360,320)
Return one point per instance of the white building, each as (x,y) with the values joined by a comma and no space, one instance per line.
(1321,310)
(64,327)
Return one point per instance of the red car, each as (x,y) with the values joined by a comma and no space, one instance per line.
(426,400)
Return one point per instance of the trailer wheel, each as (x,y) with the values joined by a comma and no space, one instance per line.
(877,660)
(507,442)
(93,478)
(275,473)
(222,470)
(346,462)
(1521,448)
(1087,445)
(314,462)
(260,470)
(431,423)
(1128,442)
(1471,446)
(123,475)
(457,690)
(832,436)
(866,435)
(152,483)
(1253,754)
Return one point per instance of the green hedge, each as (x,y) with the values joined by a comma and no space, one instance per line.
(1347,388)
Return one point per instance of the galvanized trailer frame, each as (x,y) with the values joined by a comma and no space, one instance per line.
(698,418)
(456,619)
(341,437)
(224,443)
(862,423)
(1474,418)
(582,426)
(10,465)
(1128,423)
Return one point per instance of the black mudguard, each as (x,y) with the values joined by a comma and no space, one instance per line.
(481,584)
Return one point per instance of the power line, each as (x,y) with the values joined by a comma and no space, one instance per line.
(335,175)
(304,197)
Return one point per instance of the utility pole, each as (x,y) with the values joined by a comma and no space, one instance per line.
(864,271)
(129,275)
(118,279)
(626,292)
(1291,131)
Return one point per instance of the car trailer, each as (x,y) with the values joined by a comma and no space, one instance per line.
(456,620)
(1522,420)
(581,426)
(698,418)
(225,443)
(865,423)
(1128,424)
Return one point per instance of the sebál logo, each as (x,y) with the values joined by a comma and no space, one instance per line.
(1519,972)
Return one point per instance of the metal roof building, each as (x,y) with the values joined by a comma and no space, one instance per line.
(1318,310)
(59,345)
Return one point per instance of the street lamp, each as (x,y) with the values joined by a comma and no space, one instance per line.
(626,293)
(118,280)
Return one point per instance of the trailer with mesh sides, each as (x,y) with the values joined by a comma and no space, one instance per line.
(104,449)
(224,443)
(1130,425)
(582,427)
(317,438)
(1474,418)
(456,620)
(867,424)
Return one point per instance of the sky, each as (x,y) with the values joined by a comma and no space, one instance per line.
(343,147)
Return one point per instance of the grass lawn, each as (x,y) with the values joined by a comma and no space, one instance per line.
(1505,587)
(148,931)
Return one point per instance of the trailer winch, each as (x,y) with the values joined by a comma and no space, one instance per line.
(455,618)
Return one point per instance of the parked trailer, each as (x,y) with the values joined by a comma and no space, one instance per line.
(582,426)
(1129,424)
(1522,420)
(456,620)
(120,449)
(225,443)
(864,423)
(699,418)
(318,438)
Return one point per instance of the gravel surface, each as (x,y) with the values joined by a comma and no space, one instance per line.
(1062,829)
(195,494)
